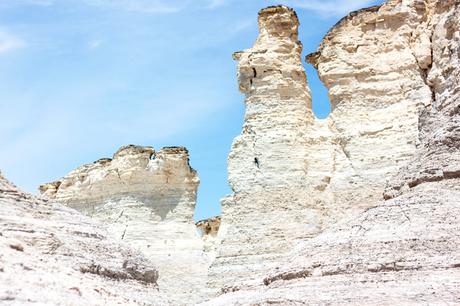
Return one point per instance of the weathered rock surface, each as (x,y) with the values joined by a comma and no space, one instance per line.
(294,175)
(147,199)
(209,227)
(267,165)
(53,255)
(360,208)
(404,250)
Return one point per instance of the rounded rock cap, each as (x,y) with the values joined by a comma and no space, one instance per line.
(278,20)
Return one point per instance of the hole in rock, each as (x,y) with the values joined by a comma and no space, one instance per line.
(320,100)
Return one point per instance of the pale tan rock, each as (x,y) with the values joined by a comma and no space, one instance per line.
(396,106)
(402,252)
(147,199)
(294,175)
(360,208)
(209,226)
(53,255)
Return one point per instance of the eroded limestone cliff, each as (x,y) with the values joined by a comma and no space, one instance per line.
(294,175)
(147,199)
(360,208)
(394,78)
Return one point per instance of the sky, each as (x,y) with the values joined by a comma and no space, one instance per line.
(81,78)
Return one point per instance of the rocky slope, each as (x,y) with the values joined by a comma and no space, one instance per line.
(147,199)
(403,250)
(52,255)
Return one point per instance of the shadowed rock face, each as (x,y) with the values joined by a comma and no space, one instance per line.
(146,198)
(400,62)
(52,255)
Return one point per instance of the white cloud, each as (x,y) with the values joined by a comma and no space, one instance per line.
(94,44)
(158,6)
(141,6)
(329,7)
(240,26)
(35,2)
(9,42)
(212,4)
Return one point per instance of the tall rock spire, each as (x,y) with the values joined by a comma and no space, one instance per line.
(271,149)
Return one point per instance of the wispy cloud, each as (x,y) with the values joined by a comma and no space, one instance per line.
(94,44)
(141,6)
(35,2)
(9,42)
(329,7)
(213,4)
(241,25)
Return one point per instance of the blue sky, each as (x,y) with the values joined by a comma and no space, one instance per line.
(80,78)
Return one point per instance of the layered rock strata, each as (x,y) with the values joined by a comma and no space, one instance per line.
(403,250)
(293,175)
(147,199)
(360,208)
(53,255)
(267,164)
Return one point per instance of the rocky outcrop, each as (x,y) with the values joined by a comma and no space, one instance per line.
(294,175)
(147,199)
(52,255)
(360,208)
(267,164)
(399,61)
(209,226)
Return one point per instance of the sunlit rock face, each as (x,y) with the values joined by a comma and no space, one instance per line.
(392,144)
(268,169)
(294,175)
(271,150)
(53,255)
(146,198)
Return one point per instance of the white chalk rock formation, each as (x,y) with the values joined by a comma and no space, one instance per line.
(147,199)
(52,255)
(268,169)
(292,174)
(394,77)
